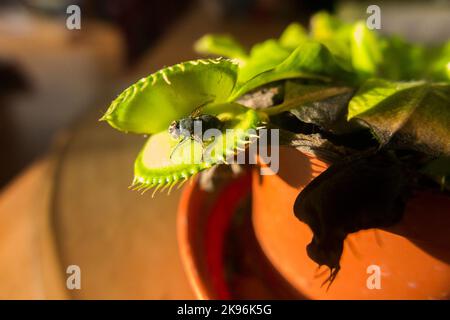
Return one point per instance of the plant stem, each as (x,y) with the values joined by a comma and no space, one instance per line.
(306,98)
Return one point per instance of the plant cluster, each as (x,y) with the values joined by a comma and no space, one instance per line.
(377,108)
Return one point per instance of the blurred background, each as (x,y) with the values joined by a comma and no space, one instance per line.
(64,175)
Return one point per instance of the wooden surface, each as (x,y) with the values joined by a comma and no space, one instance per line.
(124,242)
(74,207)
(29,266)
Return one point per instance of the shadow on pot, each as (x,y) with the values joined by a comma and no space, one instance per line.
(413,255)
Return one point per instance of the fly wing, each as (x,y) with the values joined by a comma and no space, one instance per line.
(196,112)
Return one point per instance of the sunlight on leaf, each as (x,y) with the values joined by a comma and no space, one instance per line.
(149,105)
(221,45)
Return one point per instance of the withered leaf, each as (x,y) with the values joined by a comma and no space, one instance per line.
(408,115)
(327,109)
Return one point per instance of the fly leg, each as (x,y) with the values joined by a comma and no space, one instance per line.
(199,140)
(177,146)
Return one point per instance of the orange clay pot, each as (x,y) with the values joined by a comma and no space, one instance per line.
(205,230)
(413,256)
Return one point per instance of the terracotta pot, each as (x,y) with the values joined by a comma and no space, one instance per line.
(413,256)
(215,236)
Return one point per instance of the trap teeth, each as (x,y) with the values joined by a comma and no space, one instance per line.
(156,189)
(171,187)
(139,187)
(166,185)
(182,183)
(135,187)
(244,142)
(145,190)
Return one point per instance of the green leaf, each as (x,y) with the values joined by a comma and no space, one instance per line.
(439,62)
(315,92)
(263,56)
(294,35)
(334,34)
(311,60)
(152,103)
(413,114)
(405,61)
(353,45)
(402,60)
(325,26)
(298,98)
(366,50)
(221,45)
(375,91)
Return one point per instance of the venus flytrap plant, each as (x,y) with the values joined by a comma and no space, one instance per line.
(376,107)
(161,170)
(151,104)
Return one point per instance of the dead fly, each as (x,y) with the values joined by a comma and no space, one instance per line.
(193,127)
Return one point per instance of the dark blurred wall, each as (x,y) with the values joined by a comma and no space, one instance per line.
(12,81)
(141,21)
(144,21)
(67,69)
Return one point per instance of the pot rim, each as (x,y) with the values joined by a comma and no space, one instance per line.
(201,240)
(185,246)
